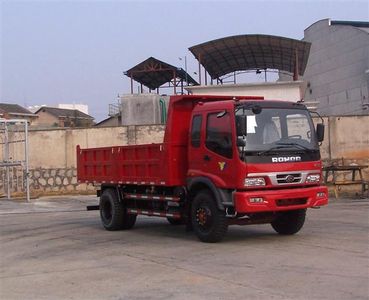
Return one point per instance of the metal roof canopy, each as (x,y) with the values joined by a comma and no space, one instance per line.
(246,52)
(153,73)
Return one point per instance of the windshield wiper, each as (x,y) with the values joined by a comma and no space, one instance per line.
(282,145)
(295,144)
(273,148)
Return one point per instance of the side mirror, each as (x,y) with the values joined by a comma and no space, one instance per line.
(256,109)
(241,142)
(320,132)
(241,125)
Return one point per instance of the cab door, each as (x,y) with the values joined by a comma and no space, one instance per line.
(219,150)
(212,149)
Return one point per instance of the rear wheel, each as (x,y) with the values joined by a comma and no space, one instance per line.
(208,222)
(289,222)
(113,214)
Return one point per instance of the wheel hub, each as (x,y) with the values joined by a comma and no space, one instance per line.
(202,216)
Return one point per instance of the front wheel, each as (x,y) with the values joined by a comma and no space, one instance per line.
(289,222)
(208,222)
(113,214)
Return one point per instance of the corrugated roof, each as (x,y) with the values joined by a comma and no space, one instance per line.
(64,113)
(153,73)
(14,109)
(246,52)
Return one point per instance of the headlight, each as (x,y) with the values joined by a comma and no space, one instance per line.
(256,181)
(313,178)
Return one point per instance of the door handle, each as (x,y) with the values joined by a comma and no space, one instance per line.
(207,157)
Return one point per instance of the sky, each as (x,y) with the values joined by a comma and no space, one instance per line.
(76,51)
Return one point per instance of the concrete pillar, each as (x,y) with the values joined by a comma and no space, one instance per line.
(131,135)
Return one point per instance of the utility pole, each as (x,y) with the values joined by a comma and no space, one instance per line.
(185,61)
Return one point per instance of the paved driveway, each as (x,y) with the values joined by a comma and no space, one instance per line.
(54,249)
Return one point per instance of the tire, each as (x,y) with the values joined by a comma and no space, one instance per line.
(289,222)
(113,214)
(208,222)
(174,221)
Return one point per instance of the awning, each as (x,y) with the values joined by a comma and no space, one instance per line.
(246,52)
(153,73)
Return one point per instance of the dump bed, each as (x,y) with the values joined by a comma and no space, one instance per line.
(120,164)
(142,164)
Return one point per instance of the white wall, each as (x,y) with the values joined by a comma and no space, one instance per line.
(81,107)
(289,91)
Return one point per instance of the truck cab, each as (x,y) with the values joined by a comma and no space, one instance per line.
(259,159)
(265,152)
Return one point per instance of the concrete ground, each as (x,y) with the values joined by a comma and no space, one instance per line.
(53,249)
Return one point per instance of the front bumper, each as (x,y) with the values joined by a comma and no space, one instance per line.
(279,200)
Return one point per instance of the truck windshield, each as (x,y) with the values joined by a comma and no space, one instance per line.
(271,130)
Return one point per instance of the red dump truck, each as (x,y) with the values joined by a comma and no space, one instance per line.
(223,161)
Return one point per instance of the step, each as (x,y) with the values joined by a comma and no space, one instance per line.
(151,197)
(155,213)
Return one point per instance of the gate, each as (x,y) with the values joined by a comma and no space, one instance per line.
(14,173)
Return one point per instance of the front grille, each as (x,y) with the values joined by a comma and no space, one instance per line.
(290,202)
(289,178)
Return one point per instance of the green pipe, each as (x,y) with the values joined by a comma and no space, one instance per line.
(163,111)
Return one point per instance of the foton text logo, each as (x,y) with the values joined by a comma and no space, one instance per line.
(286,159)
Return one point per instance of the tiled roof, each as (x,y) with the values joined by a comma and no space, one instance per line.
(64,113)
(14,109)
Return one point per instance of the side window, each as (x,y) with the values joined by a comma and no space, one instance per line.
(196,131)
(219,134)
